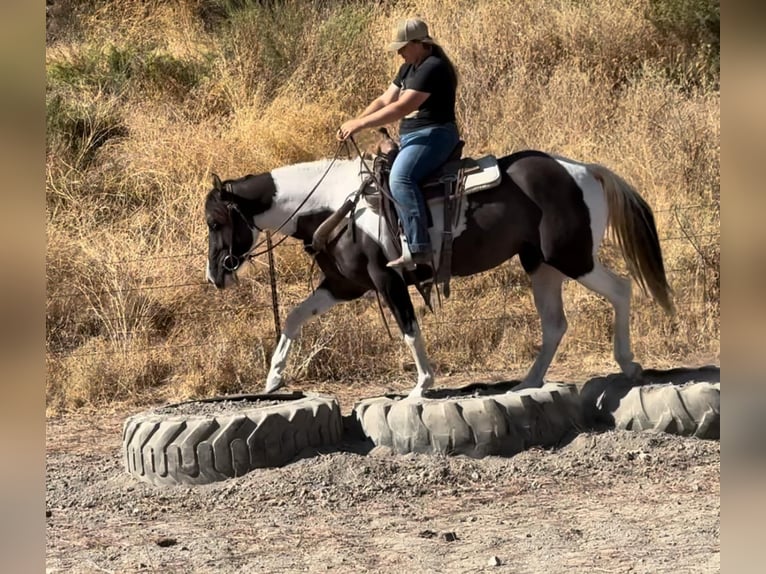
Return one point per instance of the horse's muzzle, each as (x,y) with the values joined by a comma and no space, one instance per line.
(220,280)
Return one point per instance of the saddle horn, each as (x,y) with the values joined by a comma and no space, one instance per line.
(388,145)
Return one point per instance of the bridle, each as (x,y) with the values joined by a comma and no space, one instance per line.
(231,262)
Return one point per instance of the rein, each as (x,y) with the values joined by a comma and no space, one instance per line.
(253,226)
(373,175)
(371,172)
(232,262)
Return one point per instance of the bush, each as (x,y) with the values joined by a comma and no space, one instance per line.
(92,68)
(696,26)
(79,128)
(100,373)
(163,73)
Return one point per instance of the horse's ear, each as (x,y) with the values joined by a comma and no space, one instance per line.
(226,195)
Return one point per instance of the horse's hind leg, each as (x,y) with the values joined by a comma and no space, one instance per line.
(546,288)
(314,305)
(617,290)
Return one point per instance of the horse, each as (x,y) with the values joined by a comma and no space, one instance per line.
(551,211)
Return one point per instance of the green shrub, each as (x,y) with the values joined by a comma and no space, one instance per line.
(696,26)
(80,128)
(341,37)
(281,46)
(105,69)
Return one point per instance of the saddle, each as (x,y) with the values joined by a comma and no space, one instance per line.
(444,189)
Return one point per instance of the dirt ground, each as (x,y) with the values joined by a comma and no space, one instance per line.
(615,501)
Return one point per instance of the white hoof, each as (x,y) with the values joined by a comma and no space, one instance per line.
(273,384)
(526,385)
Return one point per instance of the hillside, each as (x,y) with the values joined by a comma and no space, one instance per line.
(145,100)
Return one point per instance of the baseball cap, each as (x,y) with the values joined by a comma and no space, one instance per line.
(408,30)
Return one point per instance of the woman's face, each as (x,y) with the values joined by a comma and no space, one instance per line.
(413,52)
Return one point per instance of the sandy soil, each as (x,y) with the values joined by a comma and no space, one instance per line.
(602,502)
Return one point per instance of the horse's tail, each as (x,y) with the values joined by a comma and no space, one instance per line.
(632,225)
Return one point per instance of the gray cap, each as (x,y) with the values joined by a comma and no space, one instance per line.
(408,30)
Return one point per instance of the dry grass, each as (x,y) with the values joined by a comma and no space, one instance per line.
(145,100)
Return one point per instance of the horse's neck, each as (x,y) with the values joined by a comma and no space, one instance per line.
(313,187)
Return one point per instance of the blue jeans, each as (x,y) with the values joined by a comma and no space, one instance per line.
(421,153)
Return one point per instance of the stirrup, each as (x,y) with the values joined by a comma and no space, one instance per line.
(408,260)
(412,261)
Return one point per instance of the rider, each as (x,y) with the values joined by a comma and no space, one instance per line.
(422,96)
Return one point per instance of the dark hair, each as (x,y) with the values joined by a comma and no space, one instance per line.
(438,51)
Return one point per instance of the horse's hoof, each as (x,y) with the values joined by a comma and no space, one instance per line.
(633,371)
(274,385)
(526,385)
(415,394)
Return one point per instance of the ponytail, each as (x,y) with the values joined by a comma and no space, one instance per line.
(439,52)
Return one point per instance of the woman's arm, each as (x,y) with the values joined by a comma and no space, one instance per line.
(389,96)
(406,102)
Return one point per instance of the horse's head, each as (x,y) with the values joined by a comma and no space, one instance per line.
(231,232)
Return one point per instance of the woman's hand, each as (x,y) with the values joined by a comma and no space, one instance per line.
(348,129)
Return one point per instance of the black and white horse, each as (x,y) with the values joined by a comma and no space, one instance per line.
(551,211)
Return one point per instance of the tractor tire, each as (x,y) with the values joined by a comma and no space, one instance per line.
(685,402)
(476,421)
(172,449)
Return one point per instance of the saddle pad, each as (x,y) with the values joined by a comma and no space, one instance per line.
(482,173)
(488,175)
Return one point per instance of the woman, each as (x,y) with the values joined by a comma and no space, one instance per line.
(422,96)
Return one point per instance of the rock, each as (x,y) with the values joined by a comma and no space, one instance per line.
(449,536)
(427,534)
(165,541)
(494,561)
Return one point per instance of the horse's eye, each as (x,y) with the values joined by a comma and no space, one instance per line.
(214,226)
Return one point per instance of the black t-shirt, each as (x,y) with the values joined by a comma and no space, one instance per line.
(433,77)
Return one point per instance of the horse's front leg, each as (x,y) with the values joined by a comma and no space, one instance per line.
(314,305)
(393,289)
(414,341)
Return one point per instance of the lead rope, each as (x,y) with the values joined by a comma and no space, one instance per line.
(273,281)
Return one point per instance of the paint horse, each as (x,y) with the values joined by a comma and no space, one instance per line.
(550,211)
